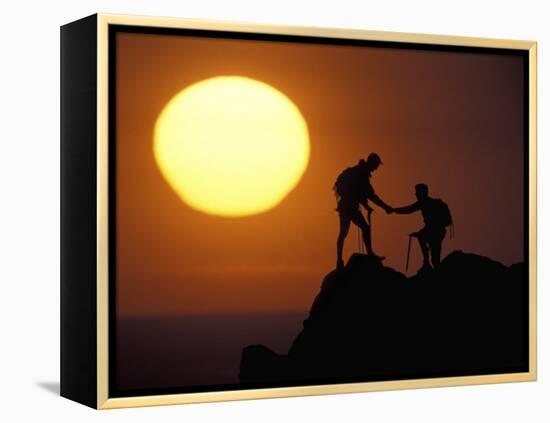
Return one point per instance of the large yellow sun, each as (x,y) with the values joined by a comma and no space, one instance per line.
(231,146)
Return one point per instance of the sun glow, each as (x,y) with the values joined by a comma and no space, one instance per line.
(231,146)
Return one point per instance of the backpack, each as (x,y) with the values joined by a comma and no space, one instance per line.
(349,180)
(343,182)
(441,213)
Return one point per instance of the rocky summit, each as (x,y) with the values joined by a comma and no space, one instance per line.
(369,322)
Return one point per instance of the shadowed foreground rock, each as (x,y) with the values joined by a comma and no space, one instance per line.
(370,322)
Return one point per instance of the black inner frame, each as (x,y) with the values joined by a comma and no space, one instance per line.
(112,54)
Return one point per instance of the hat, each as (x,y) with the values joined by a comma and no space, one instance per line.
(374,158)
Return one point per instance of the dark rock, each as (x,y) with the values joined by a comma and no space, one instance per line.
(369,322)
(259,363)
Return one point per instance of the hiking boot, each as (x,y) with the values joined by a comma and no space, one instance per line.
(374,256)
(426,268)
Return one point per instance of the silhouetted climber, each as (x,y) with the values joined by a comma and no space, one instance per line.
(352,189)
(437,217)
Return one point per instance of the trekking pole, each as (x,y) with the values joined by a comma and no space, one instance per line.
(369,217)
(408,254)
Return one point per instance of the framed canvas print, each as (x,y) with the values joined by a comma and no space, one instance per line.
(257,211)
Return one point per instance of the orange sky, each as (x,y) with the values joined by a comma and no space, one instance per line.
(451,120)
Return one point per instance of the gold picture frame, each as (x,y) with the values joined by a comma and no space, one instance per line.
(99,25)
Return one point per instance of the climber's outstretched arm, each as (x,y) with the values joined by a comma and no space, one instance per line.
(414,207)
(378,201)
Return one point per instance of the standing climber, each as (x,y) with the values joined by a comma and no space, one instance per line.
(353,188)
